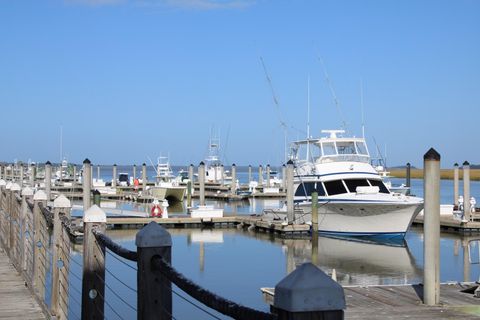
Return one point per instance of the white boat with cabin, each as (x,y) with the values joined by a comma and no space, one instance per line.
(352,198)
(166,186)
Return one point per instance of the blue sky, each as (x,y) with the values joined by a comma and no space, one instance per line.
(129,79)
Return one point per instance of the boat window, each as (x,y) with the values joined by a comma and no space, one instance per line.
(329,148)
(335,187)
(379,184)
(346,147)
(307,188)
(361,148)
(352,184)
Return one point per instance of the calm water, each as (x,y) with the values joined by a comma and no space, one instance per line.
(236,263)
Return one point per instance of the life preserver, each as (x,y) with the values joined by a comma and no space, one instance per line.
(156,211)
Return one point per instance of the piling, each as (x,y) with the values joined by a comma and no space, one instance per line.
(33,174)
(190,173)
(48,179)
(27,193)
(455,185)
(134,172)
(144,176)
(222,175)
(284,177)
(21,175)
(290,209)
(74,181)
(98,173)
(114,176)
(466,191)
(201,181)
(87,184)
(93,280)
(189,194)
(260,175)
(315,228)
(431,243)
(233,186)
(154,296)
(249,174)
(268,176)
(39,252)
(407,177)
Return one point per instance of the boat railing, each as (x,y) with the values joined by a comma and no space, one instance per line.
(344,158)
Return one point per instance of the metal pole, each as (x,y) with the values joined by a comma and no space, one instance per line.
(466,191)
(455,185)
(290,209)
(431,243)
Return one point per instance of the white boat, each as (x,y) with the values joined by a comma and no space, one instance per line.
(166,186)
(214,169)
(353,200)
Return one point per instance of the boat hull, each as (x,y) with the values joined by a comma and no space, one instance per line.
(168,193)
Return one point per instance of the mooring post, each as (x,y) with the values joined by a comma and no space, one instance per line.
(455,185)
(134,172)
(61,206)
(431,229)
(87,184)
(98,173)
(154,290)
(190,174)
(74,179)
(407,177)
(233,186)
(284,177)
(308,293)
(39,252)
(222,175)
(22,175)
(249,174)
(27,193)
(189,194)
(466,191)
(48,180)
(260,175)
(201,181)
(268,176)
(3,184)
(290,209)
(315,212)
(33,174)
(7,216)
(14,221)
(93,281)
(114,176)
(144,178)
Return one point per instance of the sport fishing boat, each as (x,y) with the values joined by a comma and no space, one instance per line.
(353,201)
(166,186)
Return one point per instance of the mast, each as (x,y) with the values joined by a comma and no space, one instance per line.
(308,118)
(361,104)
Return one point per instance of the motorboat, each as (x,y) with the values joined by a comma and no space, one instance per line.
(166,186)
(214,169)
(353,201)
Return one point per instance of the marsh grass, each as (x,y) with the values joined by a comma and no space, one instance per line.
(444,174)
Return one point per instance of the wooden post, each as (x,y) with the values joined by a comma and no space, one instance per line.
(48,180)
(233,186)
(260,175)
(249,174)
(284,177)
(431,228)
(114,176)
(154,291)
(189,194)
(190,174)
(407,177)
(315,212)
(14,223)
(201,181)
(22,175)
(455,185)
(308,293)
(466,191)
(222,175)
(7,216)
(93,281)
(33,175)
(27,193)
(39,243)
(144,177)
(98,173)
(3,184)
(61,206)
(290,208)
(134,172)
(87,184)
(268,176)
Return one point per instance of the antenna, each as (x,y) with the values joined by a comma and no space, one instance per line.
(275,100)
(61,143)
(308,118)
(361,105)
(332,91)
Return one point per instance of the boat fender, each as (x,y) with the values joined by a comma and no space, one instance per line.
(156,211)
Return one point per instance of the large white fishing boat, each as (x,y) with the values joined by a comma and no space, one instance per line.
(353,200)
(166,186)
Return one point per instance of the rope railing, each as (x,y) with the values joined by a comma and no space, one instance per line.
(114,247)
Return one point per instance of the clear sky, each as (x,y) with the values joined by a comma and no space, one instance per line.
(127,79)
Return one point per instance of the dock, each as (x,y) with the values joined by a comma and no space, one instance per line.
(448,223)
(17,302)
(405,302)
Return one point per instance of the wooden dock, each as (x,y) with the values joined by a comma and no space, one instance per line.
(405,302)
(16,301)
(447,223)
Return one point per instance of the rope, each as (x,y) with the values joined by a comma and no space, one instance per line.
(114,247)
(211,300)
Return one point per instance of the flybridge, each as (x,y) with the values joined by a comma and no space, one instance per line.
(331,149)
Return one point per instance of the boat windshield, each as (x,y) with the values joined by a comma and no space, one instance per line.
(343,150)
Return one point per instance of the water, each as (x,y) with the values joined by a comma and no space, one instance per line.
(236,263)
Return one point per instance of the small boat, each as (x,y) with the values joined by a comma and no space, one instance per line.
(166,186)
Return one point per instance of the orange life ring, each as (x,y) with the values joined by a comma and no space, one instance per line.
(156,211)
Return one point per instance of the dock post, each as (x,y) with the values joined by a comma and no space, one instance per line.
(61,206)
(154,295)
(22,175)
(260,175)
(455,185)
(466,191)
(87,184)
(201,181)
(315,212)
(3,184)
(189,194)
(190,174)
(134,172)
(7,217)
(431,243)
(284,177)
(249,174)
(74,180)
(39,243)
(14,222)
(98,173)
(290,208)
(233,186)
(408,177)
(268,176)
(27,193)
(93,280)
(308,293)
(144,178)
(114,176)
(48,180)
(33,175)
(222,175)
